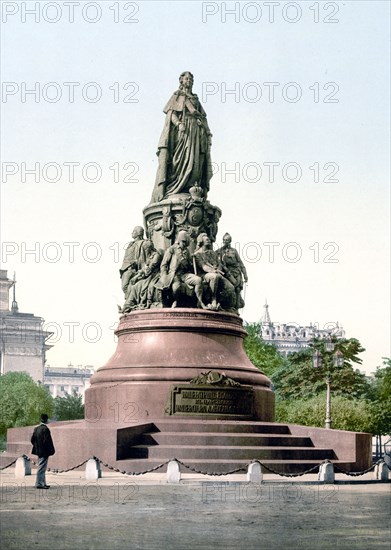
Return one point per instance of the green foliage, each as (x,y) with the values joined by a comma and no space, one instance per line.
(347,414)
(380,398)
(22,401)
(381,413)
(264,356)
(382,381)
(298,379)
(69,407)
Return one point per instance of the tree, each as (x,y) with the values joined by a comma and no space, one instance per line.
(379,396)
(264,356)
(22,401)
(69,407)
(298,379)
(348,414)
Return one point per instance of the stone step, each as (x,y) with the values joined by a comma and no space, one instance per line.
(19,447)
(230,439)
(249,453)
(225,426)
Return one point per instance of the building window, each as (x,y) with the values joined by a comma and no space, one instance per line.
(75,389)
(62,388)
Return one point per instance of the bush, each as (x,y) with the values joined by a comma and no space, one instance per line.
(347,414)
(69,407)
(22,401)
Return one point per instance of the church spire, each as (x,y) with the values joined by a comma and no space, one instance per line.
(14,306)
(266,316)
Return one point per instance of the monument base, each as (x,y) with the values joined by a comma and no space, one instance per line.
(161,348)
(180,385)
(203,444)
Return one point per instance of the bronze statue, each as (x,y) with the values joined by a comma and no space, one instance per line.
(180,220)
(142,294)
(207,264)
(235,271)
(135,256)
(176,273)
(184,146)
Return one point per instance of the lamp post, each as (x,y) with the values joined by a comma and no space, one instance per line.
(327,357)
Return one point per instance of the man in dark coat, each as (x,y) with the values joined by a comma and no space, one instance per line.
(42,447)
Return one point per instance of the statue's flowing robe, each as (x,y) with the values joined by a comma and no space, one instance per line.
(184,158)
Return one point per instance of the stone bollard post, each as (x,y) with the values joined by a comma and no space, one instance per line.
(254,473)
(326,473)
(381,472)
(173,473)
(93,469)
(22,467)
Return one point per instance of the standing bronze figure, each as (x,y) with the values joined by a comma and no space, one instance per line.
(184,146)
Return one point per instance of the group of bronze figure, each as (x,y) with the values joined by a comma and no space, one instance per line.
(182,270)
(177,278)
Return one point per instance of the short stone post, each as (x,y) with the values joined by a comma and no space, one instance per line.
(173,473)
(326,472)
(254,473)
(93,469)
(22,467)
(381,471)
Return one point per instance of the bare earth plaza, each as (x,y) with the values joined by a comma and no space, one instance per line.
(120,512)
(180,446)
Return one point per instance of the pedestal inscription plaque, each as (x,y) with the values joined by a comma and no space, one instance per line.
(214,401)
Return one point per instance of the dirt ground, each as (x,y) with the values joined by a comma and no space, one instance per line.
(130,513)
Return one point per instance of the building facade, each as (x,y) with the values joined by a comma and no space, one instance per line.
(289,337)
(23,342)
(67,380)
(23,348)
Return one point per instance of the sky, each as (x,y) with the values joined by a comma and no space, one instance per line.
(297,98)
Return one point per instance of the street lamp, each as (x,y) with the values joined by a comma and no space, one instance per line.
(327,357)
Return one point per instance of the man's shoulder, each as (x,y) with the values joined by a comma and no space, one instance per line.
(169,252)
(172,248)
(130,244)
(175,103)
(42,427)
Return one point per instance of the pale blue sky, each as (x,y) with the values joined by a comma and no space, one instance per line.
(168,38)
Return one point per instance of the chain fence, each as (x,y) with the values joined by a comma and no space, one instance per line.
(244,468)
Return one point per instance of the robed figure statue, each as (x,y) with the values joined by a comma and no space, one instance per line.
(184,146)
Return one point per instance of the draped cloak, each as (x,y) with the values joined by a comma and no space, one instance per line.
(184,158)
